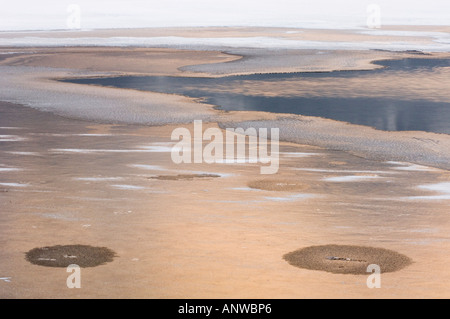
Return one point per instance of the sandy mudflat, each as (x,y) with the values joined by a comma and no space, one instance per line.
(101,176)
(27,78)
(97,185)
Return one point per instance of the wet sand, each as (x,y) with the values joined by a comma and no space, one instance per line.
(92,171)
(205,237)
(29,78)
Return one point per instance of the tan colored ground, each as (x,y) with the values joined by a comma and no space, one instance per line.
(196,237)
(219,32)
(28,78)
(117,60)
(204,238)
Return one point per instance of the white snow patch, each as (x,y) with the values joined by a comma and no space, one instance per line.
(320,170)
(290,198)
(94,151)
(404,166)
(298,154)
(229,42)
(23,153)
(13,184)
(443,188)
(127,187)
(351,178)
(246,189)
(9,169)
(73,134)
(97,179)
(12,138)
(161,148)
(148,167)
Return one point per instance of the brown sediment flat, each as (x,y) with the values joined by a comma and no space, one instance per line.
(213,238)
(155,61)
(65,255)
(278,185)
(347,259)
(183,177)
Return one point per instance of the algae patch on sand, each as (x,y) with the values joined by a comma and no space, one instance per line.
(346,259)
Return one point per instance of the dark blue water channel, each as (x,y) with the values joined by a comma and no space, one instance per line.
(389,112)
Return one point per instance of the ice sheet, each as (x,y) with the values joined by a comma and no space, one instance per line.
(351,178)
(148,167)
(13,184)
(437,45)
(443,188)
(128,187)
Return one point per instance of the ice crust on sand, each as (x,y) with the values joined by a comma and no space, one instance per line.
(9,169)
(12,138)
(410,147)
(148,167)
(23,153)
(97,179)
(351,178)
(13,184)
(442,188)
(438,44)
(127,187)
(27,85)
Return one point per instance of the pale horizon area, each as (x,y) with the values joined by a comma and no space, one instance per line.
(321,14)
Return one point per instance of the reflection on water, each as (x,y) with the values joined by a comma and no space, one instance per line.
(407,94)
